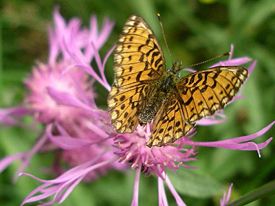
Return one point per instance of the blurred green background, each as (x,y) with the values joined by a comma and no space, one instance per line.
(195,31)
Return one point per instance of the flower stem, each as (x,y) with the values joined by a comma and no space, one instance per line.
(265,190)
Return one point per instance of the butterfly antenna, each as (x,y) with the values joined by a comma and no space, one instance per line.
(163,34)
(208,60)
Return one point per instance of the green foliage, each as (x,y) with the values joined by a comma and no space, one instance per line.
(195,30)
(195,183)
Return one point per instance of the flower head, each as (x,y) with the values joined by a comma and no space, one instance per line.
(50,81)
(132,149)
(61,96)
(45,81)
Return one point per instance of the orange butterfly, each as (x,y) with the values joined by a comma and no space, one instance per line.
(144,90)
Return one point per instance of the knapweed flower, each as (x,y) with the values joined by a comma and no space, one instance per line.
(132,150)
(57,92)
(54,80)
(61,97)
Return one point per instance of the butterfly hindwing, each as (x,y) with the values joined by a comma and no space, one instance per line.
(138,63)
(198,95)
(124,104)
(169,124)
(207,91)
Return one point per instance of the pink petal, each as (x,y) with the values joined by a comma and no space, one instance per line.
(69,190)
(190,70)
(233,62)
(161,193)
(208,121)
(63,185)
(107,28)
(237,143)
(252,67)
(66,142)
(6,161)
(174,192)
(47,193)
(66,99)
(108,54)
(99,64)
(136,187)
(8,115)
(226,196)
(93,28)
(53,47)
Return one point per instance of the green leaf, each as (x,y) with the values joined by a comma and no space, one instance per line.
(221,163)
(81,195)
(266,190)
(195,183)
(261,11)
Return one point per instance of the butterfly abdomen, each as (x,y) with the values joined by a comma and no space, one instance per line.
(156,99)
(151,107)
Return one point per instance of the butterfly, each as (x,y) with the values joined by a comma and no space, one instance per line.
(144,91)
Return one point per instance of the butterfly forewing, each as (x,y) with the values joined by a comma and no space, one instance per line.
(202,93)
(138,63)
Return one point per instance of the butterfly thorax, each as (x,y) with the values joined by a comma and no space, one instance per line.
(177,66)
(158,96)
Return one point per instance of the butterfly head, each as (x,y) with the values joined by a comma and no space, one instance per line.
(177,66)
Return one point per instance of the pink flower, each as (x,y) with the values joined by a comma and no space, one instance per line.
(57,78)
(132,149)
(61,96)
(47,80)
